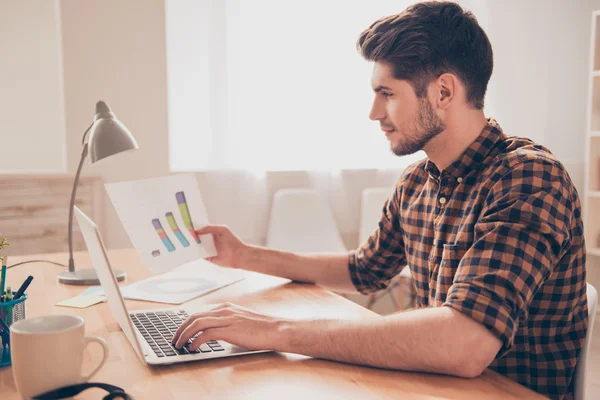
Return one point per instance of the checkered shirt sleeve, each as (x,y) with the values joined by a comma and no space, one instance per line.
(373,265)
(522,233)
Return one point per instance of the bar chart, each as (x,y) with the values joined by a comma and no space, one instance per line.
(160,216)
(163,235)
(186,216)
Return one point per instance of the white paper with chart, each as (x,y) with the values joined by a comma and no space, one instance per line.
(183,283)
(160,216)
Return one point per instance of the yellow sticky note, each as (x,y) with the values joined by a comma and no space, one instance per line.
(81,301)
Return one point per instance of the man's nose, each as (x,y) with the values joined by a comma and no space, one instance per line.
(377,112)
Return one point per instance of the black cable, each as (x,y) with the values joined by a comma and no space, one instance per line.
(34,261)
(114,392)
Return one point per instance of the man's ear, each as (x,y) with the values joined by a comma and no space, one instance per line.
(446,86)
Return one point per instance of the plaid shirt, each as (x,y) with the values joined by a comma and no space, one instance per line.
(497,236)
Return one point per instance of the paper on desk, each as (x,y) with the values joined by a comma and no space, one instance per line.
(94,291)
(182,284)
(160,215)
(185,283)
(81,301)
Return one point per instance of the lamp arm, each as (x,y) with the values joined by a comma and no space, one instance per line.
(85,133)
(84,153)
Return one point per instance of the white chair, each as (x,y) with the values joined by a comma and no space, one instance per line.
(581,368)
(370,213)
(301,222)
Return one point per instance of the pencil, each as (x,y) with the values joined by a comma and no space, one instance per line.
(3,277)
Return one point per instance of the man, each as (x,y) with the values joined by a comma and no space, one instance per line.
(489,225)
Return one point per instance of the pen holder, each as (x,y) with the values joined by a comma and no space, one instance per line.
(10,312)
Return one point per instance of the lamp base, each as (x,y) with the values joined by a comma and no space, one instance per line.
(86,277)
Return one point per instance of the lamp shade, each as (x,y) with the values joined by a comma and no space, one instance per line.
(108,135)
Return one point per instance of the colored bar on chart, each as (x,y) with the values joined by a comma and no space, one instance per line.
(162,235)
(155,253)
(175,229)
(185,215)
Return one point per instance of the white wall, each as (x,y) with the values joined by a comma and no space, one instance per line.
(116,51)
(539,85)
(32,126)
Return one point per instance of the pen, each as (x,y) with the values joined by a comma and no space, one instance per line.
(9,309)
(23,288)
(3,277)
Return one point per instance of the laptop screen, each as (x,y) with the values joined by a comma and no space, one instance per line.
(93,241)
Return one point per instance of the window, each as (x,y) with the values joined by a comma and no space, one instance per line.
(273,85)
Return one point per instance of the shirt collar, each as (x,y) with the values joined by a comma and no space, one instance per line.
(483,149)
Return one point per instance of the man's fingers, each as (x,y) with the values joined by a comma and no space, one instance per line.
(182,327)
(214,229)
(190,320)
(199,325)
(208,335)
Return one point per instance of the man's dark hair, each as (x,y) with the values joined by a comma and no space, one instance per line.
(429,39)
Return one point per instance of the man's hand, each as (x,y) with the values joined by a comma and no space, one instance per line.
(227,243)
(232,324)
(327,270)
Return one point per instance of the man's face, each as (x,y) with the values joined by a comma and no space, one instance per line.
(409,122)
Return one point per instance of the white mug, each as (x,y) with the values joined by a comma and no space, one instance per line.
(47,353)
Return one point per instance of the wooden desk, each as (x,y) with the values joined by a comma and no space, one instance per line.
(260,376)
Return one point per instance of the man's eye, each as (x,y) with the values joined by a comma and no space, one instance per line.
(386,94)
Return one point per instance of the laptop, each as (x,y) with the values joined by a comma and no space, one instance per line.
(149,331)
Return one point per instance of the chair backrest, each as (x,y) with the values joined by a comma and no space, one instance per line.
(301,222)
(581,368)
(370,211)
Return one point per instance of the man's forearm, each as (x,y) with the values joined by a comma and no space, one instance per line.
(327,270)
(440,340)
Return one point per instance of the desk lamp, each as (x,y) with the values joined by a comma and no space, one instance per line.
(108,136)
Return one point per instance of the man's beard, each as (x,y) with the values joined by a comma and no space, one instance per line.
(427,125)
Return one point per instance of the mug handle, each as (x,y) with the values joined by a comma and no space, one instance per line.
(88,340)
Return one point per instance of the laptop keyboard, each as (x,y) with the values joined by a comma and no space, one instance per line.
(158,329)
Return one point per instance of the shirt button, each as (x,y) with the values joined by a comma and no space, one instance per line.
(442,200)
(459,180)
